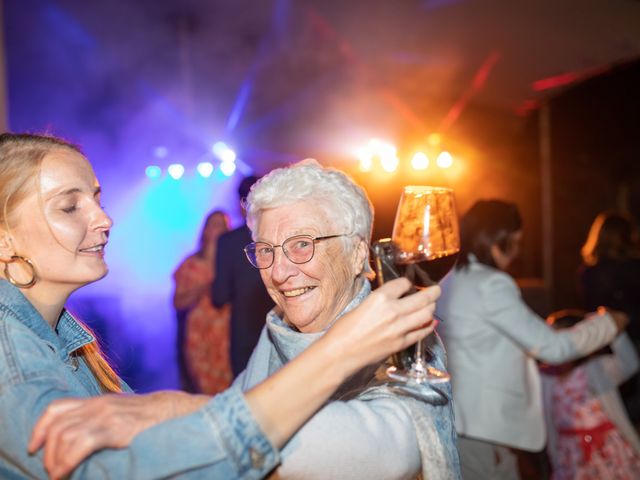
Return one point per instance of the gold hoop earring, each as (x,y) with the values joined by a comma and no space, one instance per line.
(12,281)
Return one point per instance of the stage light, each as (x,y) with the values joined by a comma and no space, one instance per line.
(365,160)
(176,171)
(420,161)
(223,152)
(444,160)
(205,169)
(389,163)
(227,168)
(381,149)
(153,171)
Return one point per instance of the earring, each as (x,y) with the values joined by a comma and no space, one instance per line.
(12,281)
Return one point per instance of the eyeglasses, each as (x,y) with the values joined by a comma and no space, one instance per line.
(299,249)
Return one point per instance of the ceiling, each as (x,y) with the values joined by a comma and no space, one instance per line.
(280,79)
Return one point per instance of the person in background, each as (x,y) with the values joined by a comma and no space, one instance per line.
(53,234)
(610,276)
(589,432)
(492,340)
(203,330)
(238,285)
(312,230)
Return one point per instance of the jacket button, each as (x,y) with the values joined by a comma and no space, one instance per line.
(257,459)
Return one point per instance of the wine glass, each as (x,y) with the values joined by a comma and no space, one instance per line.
(424,246)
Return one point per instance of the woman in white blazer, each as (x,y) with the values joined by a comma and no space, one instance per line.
(493,340)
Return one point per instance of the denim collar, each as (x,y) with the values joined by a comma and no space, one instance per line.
(289,343)
(68,336)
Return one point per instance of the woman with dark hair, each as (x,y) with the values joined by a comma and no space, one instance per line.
(493,339)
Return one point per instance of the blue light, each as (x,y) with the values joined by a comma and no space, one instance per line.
(176,171)
(227,168)
(205,169)
(153,171)
(223,152)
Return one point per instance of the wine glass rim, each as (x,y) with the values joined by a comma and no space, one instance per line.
(426,188)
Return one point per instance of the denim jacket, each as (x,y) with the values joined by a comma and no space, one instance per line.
(221,440)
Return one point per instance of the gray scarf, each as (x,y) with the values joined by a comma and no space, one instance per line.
(432,416)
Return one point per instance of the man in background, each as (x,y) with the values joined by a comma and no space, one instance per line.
(237,283)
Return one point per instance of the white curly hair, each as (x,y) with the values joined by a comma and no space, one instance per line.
(343,201)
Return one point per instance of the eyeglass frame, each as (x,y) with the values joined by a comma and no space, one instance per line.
(313,239)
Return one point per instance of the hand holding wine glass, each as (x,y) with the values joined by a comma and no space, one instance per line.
(424,247)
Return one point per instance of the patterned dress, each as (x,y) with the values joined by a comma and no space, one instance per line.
(589,445)
(205,349)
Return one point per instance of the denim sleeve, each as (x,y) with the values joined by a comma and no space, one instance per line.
(221,440)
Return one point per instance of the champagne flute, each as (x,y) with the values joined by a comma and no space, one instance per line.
(424,246)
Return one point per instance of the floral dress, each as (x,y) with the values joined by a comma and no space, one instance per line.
(205,349)
(589,445)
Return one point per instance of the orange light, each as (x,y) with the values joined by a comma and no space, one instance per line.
(444,160)
(389,163)
(420,161)
(365,160)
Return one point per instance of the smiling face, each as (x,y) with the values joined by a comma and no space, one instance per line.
(312,294)
(60,226)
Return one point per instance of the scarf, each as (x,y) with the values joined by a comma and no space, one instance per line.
(432,415)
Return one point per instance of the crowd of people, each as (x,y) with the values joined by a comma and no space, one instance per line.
(296,388)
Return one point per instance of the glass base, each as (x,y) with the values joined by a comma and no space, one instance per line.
(426,374)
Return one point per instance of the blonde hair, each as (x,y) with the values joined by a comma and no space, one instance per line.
(611,236)
(21,158)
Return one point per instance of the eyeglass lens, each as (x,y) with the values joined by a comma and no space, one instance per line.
(298,249)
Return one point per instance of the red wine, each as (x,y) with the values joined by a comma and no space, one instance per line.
(427,272)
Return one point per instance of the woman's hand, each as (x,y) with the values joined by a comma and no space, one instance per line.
(71,429)
(620,318)
(384,323)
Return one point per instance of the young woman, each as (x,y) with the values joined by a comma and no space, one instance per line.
(53,234)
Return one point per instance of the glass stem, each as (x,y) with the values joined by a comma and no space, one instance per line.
(419,365)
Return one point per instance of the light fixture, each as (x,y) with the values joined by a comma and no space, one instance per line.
(176,170)
(153,171)
(420,161)
(205,169)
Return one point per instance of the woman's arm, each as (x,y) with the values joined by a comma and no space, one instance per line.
(381,325)
(506,311)
(618,367)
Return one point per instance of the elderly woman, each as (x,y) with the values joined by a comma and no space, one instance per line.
(312,228)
